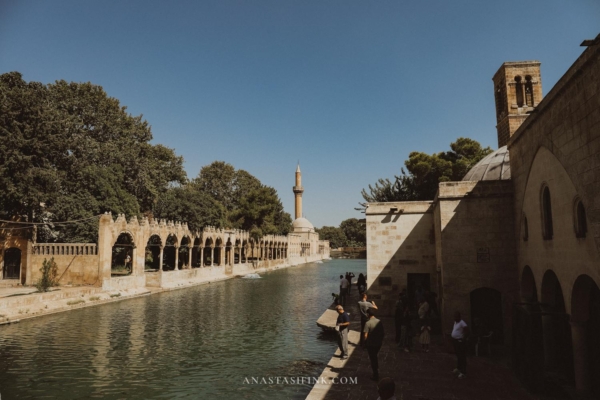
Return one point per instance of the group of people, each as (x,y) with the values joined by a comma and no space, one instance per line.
(410,324)
(346,286)
(406,321)
(371,332)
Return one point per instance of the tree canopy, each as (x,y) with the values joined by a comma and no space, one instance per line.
(68,151)
(352,232)
(425,172)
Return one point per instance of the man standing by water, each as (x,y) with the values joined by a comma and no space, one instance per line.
(373,337)
(344,285)
(342,326)
(364,317)
(460,332)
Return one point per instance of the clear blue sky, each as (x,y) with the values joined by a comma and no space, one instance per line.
(347,87)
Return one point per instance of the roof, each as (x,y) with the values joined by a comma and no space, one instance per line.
(302,225)
(493,167)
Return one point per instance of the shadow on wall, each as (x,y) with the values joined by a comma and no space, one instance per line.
(473,248)
(410,266)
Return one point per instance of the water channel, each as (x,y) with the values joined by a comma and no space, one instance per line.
(197,342)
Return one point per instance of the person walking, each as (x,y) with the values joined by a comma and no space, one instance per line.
(460,332)
(373,339)
(407,333)
(425,337)
(343,290)
(342,326)
(361,282)
(364,306)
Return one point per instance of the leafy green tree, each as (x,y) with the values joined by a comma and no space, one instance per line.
(261,213)
(48,279)
(426,171)
(355,231)
(336,236)
(68,151)
(188,204)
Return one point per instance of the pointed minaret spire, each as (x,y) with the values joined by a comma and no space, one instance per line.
(298,189)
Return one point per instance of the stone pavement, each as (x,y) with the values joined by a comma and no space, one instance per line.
(418,375)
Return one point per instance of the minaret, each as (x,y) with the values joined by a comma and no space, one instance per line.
(298,189)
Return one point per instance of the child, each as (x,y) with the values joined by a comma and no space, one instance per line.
(425,339)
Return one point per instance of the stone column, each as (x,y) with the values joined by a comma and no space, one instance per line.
(176,258)
(580,356)
(201,257)
(160,258)
(212,256)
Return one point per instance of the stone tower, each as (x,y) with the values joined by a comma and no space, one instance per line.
(298,190)
(517,90)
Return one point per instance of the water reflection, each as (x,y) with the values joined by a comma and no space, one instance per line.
(202,341)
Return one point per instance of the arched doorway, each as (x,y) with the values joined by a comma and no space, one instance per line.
(217,259)
(196,253)
(12,263)
(486,313)
(558,353)
(169,253)
(585,328)
(122,255)
(528,288)
(184,253)
(209,253)
(152,255)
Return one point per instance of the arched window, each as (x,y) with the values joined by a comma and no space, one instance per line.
(528,91)
(519,91)
(580,220)
(547,228)
(525,229)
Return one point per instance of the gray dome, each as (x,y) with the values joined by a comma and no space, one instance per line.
(302,225)
(493,167)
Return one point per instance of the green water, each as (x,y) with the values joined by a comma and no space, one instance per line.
(207,341)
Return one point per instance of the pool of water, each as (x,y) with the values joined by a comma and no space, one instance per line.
(208,341)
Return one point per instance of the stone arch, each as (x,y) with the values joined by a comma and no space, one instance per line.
(528,286)
(558,353)
(486,313)
(152,253)
(123,255)
(12,263)
(184,253)
(170,252)
(196,253)
(585,328)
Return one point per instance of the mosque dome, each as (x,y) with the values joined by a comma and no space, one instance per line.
(302,225)
(493,167)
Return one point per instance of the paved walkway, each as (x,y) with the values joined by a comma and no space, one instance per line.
(418,375)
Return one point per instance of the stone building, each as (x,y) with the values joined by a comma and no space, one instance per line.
(157,253)
(515,245)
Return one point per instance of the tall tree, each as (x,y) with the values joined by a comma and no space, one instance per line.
(335,235)
(425,172)
(68,151)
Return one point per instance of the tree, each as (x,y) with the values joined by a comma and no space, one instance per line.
(355,231)
(261,213)
(336,236)
(425,172)
(188,204)
(68,151)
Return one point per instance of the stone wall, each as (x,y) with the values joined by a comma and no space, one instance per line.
(400,241)
(77,263)
(475,247)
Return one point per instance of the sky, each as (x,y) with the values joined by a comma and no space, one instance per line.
(346,87)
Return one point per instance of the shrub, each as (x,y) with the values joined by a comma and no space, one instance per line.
(74,302)
(49,272)
(94,298)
